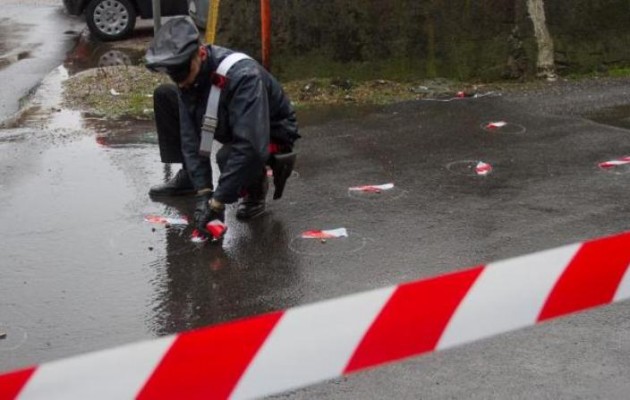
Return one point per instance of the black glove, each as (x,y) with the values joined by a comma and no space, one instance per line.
(210,220)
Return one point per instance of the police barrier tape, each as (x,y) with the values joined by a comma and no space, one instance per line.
(289,349)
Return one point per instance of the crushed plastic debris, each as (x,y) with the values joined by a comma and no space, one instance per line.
(496,125)
(114,92)
(198,237)
(159,219)
(325,234)
(102,141)
(216,228)
(372,188)
(483,168)
(614,163)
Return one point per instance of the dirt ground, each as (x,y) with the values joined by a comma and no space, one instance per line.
(125,90)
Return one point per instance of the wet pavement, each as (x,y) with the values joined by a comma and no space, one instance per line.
(82,270)
(34,37)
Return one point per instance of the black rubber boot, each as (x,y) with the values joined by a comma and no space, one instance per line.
(179,185)
(253,203)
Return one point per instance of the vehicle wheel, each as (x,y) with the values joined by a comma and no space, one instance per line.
(113,58)
(110,19)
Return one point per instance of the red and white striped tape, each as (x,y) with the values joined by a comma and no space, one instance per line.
(300,346)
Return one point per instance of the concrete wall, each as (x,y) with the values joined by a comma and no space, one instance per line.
(461,39)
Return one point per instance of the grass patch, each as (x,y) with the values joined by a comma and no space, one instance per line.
(619,72)
(613,72)
(113,92)
(126,91)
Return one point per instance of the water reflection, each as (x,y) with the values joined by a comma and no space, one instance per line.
(94,54)
(251,273)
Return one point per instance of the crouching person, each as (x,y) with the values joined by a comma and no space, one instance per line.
(226,96)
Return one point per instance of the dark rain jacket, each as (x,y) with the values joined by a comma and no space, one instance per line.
(253,112)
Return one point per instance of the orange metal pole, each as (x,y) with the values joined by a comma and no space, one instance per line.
(265,31)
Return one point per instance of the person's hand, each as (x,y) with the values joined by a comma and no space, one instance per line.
(210,217)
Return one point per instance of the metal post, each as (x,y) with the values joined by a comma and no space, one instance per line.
(211,21)
(157,16)
(265,28)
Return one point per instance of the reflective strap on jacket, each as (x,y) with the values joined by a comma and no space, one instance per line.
(219,80)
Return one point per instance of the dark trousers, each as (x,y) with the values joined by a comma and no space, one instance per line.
(166,109)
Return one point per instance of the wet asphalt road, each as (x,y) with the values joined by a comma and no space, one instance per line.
(34,37)
(82,270)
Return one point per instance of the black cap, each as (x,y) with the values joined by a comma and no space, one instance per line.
(172,48)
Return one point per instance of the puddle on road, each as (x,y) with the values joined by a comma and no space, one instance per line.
(80,254)
(123,132)
(108,274)
(92,54)
(618,116)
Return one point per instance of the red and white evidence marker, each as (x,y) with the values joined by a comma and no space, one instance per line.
(496,125)
(325,234)
(615,163)
(159,219)
(372,188)
(483,168)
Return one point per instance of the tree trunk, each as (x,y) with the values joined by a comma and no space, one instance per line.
(545,63)
(431,58)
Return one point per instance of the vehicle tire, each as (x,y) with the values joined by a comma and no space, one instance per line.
(110,19)
(113,58)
